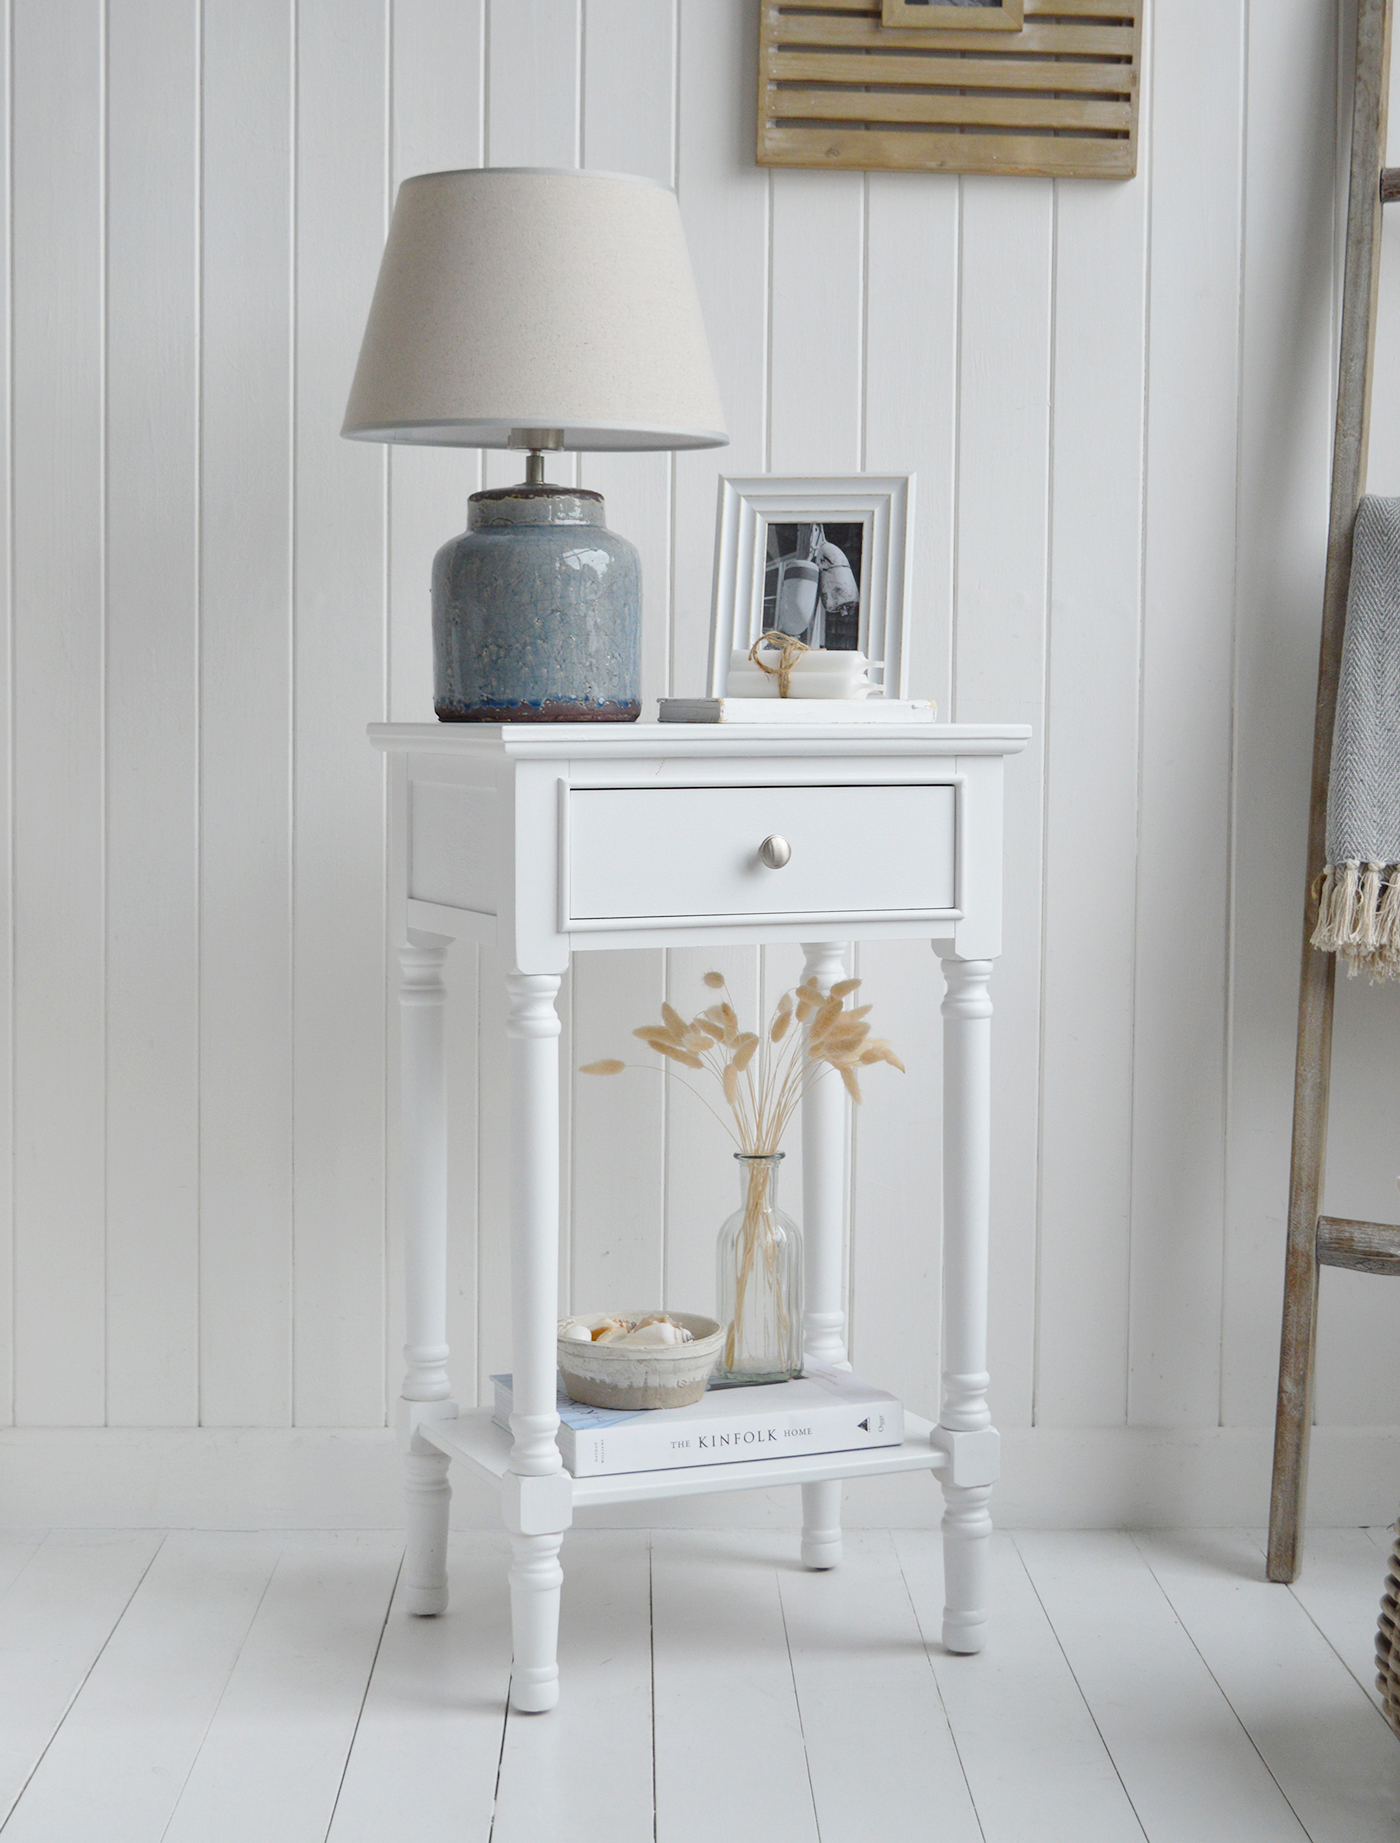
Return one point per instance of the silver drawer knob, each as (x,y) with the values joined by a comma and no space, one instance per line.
(775,852)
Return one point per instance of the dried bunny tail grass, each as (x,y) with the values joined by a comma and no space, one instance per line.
(677,1054)
(730,1083)
(782,1017)
(860,1011)
(827,1015)
(731,1024)
(844,1029)
(715,981)
(652,1034)
(848,1076)
(675,1023)
(609,1065)
(880,1051)
(843,987)
(744,1049)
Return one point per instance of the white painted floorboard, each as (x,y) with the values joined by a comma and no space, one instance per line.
(1329,1750)
(213,1687)
(273,1758)
(1342,1568)
(1186,1763)
(1032,1753)
(56,1614)
(879,1749)
(428,1747)
(585,1772)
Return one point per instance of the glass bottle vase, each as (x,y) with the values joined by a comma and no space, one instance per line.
(759,1281)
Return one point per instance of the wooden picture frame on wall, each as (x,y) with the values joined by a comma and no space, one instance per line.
(1055,99)
(985,15)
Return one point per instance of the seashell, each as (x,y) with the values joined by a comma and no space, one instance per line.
(611,1333)
(658,1332)
(577,1334)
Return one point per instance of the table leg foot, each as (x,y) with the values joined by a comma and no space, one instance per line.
(967,1541)
(535,1581)
(429,1498)
(821,1524)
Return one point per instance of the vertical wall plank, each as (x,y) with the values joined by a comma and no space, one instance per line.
(724,205)
(1183,852)
(999,672)
(1286,408)
(911,387)
(152,709)
(896,1290)
(438,122)
(618,1135)
(911,383)
(618,1141)
(339,680)
(815,322)
(8,1300)
(245,717)
(58,662)
(533,82)
(702,1187)
(532,94)
(1091,745)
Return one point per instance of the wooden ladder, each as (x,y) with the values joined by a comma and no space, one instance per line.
(1314,1240)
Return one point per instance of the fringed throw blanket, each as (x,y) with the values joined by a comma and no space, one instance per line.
(1359,916)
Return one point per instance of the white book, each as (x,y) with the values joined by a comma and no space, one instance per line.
(822,1411)
(795,710)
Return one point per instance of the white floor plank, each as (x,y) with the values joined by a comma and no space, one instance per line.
(585,1771)
(1330,1751)
(1187,1765)
(15,1555)
(54,1620)
(426,1752)
(272,1761)
(1340,1587)
(115,1768)
(1033,1757)
(879,1748)
(730,1760)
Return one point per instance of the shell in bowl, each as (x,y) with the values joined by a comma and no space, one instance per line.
(634,1376)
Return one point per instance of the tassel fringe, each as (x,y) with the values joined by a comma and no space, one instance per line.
(1359,917)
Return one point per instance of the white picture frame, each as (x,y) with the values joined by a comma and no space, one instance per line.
(882,505)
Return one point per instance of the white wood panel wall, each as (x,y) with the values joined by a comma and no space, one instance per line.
(1117,399)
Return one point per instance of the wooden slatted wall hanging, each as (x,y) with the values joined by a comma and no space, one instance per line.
(1056,99)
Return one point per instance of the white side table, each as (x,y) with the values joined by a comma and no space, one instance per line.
(542,840)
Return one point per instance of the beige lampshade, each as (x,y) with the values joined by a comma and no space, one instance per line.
(529,298)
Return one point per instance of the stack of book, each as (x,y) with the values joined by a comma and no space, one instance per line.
(822,1411)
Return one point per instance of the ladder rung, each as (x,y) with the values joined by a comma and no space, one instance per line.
(1365,1247)
(1390,184)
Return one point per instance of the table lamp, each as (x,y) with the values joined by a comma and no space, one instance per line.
(536,309)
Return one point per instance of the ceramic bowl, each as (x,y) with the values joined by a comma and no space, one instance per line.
(655,1376)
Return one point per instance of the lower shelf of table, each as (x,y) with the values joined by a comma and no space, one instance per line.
(485,1447)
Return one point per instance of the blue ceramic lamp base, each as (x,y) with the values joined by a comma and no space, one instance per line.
(537,612)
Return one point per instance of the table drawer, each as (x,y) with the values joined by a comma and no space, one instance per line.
(661,852)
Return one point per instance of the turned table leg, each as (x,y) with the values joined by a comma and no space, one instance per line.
(964,1430)
(823,1233)
(537,1494)
(426,1391)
